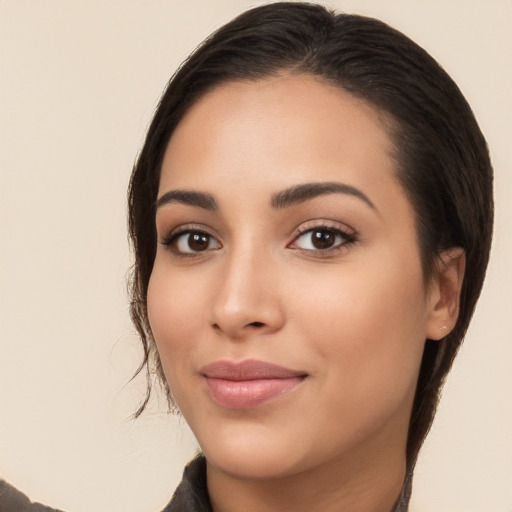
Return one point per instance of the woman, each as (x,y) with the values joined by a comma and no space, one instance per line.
(311,216)
(324,208)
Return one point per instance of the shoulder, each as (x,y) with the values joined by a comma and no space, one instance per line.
(191,495)
(12,500)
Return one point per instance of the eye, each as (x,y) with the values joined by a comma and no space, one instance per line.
(322,239)
(191,242)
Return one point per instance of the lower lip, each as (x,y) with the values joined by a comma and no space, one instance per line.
(247,394)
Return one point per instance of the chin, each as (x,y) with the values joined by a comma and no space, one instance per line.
(251,457)
(251,466)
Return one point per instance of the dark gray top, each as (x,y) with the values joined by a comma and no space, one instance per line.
(192,493)
(190,496)
(12,500)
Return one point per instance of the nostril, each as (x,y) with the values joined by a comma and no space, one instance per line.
(219,328)
(256,324)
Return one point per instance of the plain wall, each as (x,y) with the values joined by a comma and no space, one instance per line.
(79,81)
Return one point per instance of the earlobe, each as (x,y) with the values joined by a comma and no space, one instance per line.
(444,296)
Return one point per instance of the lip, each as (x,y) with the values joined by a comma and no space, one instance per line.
(248,384)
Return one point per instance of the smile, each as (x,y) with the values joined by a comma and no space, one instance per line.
(249,383)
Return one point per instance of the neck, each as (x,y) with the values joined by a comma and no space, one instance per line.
(369,484)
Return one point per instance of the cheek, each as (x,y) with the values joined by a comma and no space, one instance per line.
(174,311)
(368,327)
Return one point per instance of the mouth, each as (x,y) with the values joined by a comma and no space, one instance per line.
(248,384)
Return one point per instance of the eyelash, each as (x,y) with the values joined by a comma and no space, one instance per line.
(347,239)
(172,240)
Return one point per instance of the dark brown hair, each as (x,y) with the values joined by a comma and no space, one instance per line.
(442,157)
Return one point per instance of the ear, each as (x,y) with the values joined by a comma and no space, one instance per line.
(444,293)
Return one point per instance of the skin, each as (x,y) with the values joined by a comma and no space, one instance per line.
(353,317)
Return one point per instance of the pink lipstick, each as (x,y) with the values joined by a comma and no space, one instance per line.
(247,384)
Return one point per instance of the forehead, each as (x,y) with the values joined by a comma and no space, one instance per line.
(278,132)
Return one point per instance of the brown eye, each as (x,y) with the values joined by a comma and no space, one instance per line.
(322,239)
(191,242)
(198,241)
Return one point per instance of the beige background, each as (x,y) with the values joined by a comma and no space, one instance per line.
(79,80)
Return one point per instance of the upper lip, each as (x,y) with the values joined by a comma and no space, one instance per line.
(249,369)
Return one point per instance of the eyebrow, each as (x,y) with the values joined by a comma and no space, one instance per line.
(306,191)
(283,199)
(188,197)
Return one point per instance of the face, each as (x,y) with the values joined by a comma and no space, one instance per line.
(287,299)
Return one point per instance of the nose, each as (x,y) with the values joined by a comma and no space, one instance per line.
(247,300)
